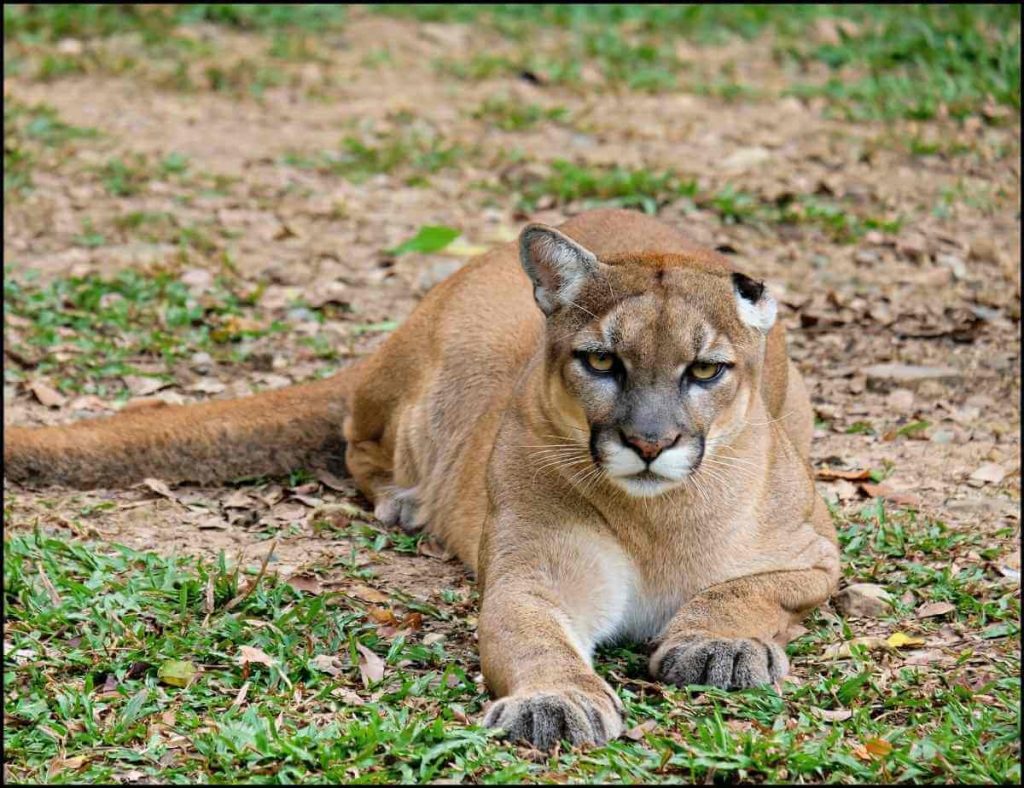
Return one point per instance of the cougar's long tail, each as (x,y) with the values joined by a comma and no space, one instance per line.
(272,432)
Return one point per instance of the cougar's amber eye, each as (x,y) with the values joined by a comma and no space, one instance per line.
(704,371)
(600,362)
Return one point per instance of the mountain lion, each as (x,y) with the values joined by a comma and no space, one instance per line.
(600,420)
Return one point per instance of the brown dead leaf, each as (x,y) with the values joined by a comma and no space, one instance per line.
(893,496)
(251,654)
(383,616)
(367,594)
(878,748)
(160,488)
(832,715)
(326,663)
(239,499)
(89,402)
(328,479)
(637,732)
(989,473)
(348,696)
(413,621)
(933,609)
(371,667)
(829,474)
(141,386)
(308,584)
(46,394)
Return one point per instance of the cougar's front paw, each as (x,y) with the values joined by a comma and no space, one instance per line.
(545,718)
(728,663)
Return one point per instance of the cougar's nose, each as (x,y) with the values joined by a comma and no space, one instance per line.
(648,446)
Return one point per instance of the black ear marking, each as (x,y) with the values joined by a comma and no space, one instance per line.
(750,289)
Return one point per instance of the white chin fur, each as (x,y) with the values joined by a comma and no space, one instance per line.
(642,488)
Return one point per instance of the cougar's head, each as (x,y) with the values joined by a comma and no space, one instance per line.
(651,358)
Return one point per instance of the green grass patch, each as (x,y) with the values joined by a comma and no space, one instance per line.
(104,326)
(34,133)
(510,114)
(53,22)
(123,661)
(589,187)
(412,155)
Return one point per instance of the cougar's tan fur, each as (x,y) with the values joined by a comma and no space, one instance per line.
(476,421)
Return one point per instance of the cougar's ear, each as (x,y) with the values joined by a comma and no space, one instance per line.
(756,306)
(557,265)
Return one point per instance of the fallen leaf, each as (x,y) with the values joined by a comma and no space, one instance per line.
(239,499)
(176,673)
(382,616)
(160,488)
(894,497)
(206,386)
(932,609)
(828,474)
(240,697)
(46,394)
(367,594)
(328,479)
(308,584)
(845,650)
(879,748)
(371,667)
(637,732)
(901,639)
(326,663)
(413,620)
(141,386)
(832,715)
(989,472)
(348,696)
(248,654)
(89,402)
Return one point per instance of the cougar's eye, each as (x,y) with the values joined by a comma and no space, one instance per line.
(600,362)
(704,371)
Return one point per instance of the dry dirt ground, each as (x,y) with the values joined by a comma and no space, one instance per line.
(940,290)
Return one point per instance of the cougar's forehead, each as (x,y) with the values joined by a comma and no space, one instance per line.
(680,315)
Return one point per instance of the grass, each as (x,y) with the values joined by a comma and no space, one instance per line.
(91,628)
(587,187)
(884,62)
(104,326)
(34,133)
(509,114)
(410,154)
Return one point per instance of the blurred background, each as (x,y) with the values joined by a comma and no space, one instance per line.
(209,200)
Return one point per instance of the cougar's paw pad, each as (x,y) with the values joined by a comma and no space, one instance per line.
(546,718)
(727,663)
(399,508)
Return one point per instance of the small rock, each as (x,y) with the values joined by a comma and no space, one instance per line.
(745,159)
(954,264)
(882,377)
(989,472)
(984,250)
(866,257)
(434,637)
(901,400)
(202,363)
(942,437)
(865,600)
(913,247)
